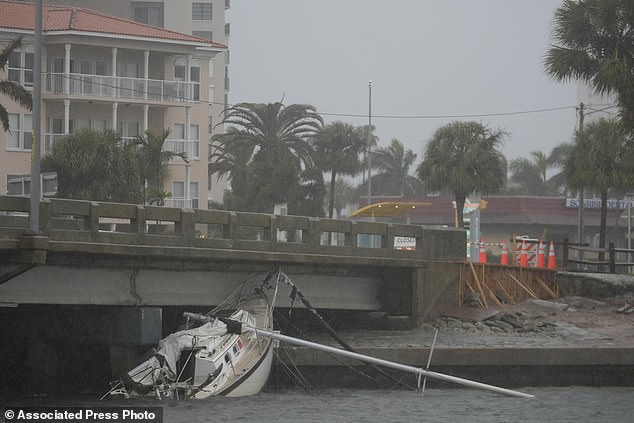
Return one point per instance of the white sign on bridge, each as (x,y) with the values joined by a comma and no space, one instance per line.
(405,243)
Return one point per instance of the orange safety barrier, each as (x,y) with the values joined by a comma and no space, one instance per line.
(505,255)
(523,255)
(483,252)
(552,260)
(541,258)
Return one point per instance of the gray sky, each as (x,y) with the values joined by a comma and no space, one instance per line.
(450,58)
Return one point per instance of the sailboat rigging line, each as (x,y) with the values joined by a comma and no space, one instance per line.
(431,351)
(391,364)
(354,369)
(189,356)
(294,372)
(296,292)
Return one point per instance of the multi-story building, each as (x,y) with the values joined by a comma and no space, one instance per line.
(202,18)
(100,71)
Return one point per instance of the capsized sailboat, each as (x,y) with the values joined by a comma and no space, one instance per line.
(231,354)
(214,354)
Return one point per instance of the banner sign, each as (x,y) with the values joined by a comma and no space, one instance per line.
(595,203)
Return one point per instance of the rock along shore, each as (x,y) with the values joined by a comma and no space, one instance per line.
(584,338)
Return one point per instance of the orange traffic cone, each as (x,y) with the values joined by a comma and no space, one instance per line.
(541,259)
(504,261)
(483,252)
(523,256)
(552,260)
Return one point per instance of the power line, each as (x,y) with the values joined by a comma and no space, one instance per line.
(143,92)
(471,115)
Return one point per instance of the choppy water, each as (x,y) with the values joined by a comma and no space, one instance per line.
(571,404)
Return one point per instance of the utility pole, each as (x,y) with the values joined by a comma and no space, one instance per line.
(35,188)
(369,157)
(580,209)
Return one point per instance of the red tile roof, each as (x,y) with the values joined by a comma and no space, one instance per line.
(21,16)
(505,210)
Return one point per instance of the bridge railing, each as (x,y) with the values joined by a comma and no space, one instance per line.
(63,220)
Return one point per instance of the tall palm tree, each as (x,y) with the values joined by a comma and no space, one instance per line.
(463,157)
(93,165)
(593,42)
(601,158)
(337,147)
(530,175)
(15,92)
(155,158)
(393,163)
(231,159)
(276,137)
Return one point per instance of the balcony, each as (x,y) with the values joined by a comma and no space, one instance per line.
(191,148)
(115,88)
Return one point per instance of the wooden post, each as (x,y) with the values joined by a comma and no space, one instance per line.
(565,255)
(612,258)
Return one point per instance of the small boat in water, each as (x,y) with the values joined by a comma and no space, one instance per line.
(215,354)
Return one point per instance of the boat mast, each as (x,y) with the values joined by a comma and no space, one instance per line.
(403,367)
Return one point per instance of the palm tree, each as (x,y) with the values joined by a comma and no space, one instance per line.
(593,43)
(95,166)
(15,92)
(337,147)
(155,158)
(393,164)
(530,176)
(602,159)
(276,139)
(463,157)
(230,159)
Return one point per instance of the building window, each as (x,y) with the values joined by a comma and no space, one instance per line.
(148,13)
(201,11)
(27,132)
(178,195)
(13,134)
(180,68)
(19,136)
(194,136)
(193,194)
(15,66)
(207,35)
(20,68)
(194,76)
(29,59)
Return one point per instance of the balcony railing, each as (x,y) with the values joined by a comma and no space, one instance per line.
(191,148)
(122,87)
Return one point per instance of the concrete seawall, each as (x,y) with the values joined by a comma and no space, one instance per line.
(599,353)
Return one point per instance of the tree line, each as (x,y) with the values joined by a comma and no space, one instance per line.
(275,153)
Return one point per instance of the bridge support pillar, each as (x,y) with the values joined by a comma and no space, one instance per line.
(33,249)
(434,290)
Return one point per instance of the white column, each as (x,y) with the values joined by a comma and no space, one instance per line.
(146,71)
(113,72)
(67,68)
(188,124)
(188,179)
(66,117)
(146,109)
(188,149)
(115,107)
(188,78)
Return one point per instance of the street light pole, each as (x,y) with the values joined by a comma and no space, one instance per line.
(369,156)
(35,188)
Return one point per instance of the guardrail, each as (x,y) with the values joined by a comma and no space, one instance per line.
(68,221)
(592,259)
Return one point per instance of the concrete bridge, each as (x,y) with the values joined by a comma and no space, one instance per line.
(109,254)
